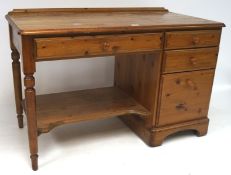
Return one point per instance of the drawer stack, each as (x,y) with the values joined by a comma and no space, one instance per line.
(187,75)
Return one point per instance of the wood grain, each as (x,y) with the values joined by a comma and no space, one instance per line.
(155,136)
(164,68)
(159,134)
(190,59)
(192,39)
(16,70)
(17,86)
(139,75)
(185,96)
(66,47)
(30,98)
(83,10)
(54,22)
(30,107)
(69,107)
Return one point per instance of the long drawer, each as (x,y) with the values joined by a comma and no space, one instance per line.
(192,39)
(189,59)
(83,46)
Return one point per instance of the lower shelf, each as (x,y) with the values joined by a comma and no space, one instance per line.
(70,107)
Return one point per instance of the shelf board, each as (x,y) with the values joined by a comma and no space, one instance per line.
(71,107)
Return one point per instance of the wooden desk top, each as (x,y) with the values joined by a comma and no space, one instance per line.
(101,20)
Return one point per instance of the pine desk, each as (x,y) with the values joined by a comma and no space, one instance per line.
(164,68)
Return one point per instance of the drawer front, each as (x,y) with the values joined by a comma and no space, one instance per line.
(190,59)
(185,96)
(65,47)
(192,39)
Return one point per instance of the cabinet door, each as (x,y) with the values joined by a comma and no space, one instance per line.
(185,96)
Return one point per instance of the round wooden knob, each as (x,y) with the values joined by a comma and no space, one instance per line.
(193,60)
(106,45)
(196,40)
(181,106)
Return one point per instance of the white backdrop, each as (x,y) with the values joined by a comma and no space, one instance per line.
(108,147)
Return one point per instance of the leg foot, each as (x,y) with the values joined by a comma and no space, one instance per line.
(20,120)
(156,141)
(202,131)
(160,134)
(34,161)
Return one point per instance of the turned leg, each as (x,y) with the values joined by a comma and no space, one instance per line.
(30,98)
(17,86)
